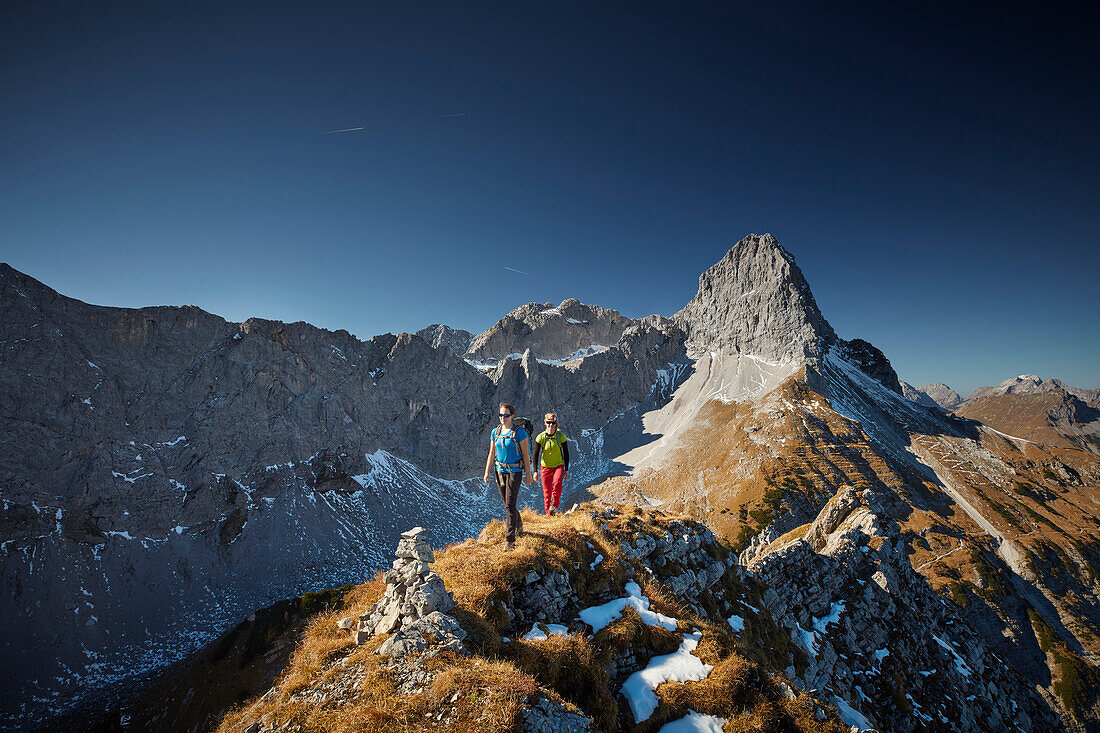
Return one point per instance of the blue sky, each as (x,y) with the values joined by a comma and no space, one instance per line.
(932,168)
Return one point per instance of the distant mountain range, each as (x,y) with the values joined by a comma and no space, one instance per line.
(1026,406)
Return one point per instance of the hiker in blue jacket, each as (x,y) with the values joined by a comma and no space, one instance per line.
(508,450)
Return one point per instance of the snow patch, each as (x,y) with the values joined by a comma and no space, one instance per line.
(598,617)
(960,665)
(850,715)
(578,354)
(806,639)
(834,615)
(695,722)
(538,634)
(680,666)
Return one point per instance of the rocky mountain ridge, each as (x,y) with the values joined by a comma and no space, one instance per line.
(1025,406)
(837,616)
(745,411)
(440,336)
(943,395)
(556,333)
(156,461)
(918,395)
(1032,384)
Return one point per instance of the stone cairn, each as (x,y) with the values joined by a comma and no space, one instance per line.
(414,606)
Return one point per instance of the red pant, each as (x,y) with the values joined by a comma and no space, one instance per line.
(551,486)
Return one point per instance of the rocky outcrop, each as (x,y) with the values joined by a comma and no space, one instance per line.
(873,631)
(858,631)
(872,362)
(549,716)
(835,511)
(756,301)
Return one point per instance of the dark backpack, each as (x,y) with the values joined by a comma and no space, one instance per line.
(520,422)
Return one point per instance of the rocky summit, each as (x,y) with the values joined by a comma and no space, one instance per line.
(756,300)
(770,534)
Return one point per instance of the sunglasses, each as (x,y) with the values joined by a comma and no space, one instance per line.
(551,422)
(505,414)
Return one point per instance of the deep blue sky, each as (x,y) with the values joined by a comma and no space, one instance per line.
(934,169)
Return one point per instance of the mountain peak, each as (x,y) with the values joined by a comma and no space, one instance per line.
(942,395)
(1033,384)
(755,300)
(554,331)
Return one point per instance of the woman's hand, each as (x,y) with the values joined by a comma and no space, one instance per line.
(486,478)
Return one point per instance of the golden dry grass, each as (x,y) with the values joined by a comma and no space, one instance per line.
(486,692)
(319,643)
(570,666)
(630,632)
(487,696)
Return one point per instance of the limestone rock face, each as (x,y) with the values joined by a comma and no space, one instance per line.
(439,336)
(756,301)
(167,437)
(916,394)
(872,362)
(588,392)
(556,332)
(942,395)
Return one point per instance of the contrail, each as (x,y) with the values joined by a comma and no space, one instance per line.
(521,272)
(346,129)
(456,114)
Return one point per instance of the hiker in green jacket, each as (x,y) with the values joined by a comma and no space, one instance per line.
(552,457)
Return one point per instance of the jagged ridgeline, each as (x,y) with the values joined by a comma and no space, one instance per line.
(866,561)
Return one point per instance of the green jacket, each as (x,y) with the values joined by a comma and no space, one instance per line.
(552,449)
